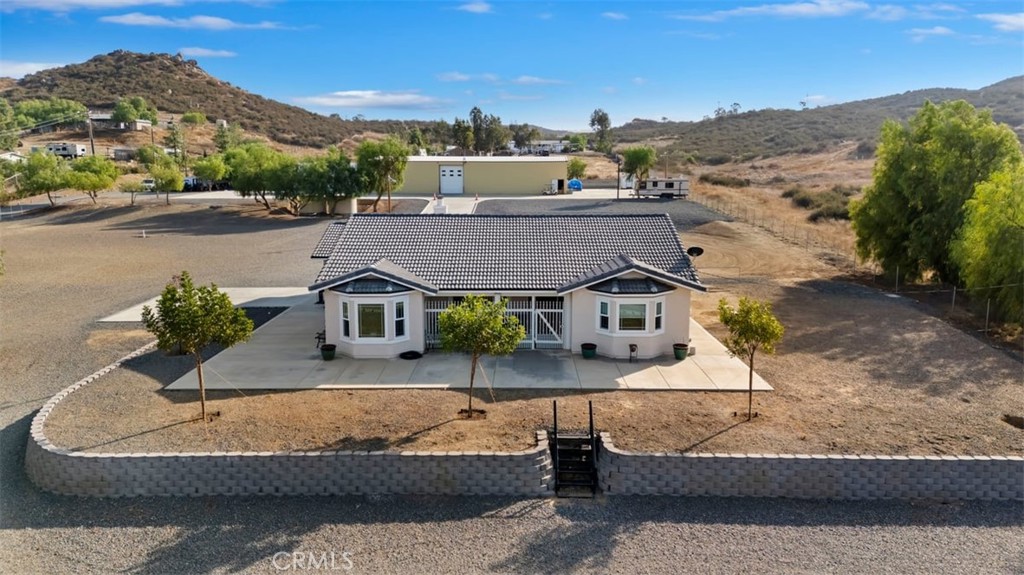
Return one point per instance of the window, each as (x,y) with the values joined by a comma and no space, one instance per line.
(657,316)
(345,329)
(371,320)
(603,319)
(399,319)
(632,317)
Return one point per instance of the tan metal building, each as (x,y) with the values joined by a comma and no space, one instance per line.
(482,175)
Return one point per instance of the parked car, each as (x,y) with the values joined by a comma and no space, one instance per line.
(148,184)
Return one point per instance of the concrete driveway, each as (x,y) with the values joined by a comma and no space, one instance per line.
(282,354)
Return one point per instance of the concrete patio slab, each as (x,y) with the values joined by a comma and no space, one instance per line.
(282,355)
(249,297)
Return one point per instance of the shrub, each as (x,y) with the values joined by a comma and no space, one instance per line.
(724,180)
(718,159)
(831,211)
(792,192)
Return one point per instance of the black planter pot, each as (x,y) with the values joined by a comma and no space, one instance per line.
(327,351)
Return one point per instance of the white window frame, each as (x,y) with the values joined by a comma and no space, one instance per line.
(607,304)
(651,315)
(618,318)
(404,319)
(350,308)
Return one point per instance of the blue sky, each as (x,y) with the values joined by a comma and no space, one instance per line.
(547,63)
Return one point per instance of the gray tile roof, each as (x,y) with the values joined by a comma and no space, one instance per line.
(621,264)
(370,286)
(382,269)
(634,286)
(507,253)
(327,242)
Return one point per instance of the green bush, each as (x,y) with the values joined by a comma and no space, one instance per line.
(792,192)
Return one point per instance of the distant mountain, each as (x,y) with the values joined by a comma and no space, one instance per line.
(772,132)
(177,85)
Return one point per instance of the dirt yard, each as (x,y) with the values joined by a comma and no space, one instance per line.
(858,371)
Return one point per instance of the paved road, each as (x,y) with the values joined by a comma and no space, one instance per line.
(41,533)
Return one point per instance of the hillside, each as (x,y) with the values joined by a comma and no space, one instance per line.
(176,85)
(774,132)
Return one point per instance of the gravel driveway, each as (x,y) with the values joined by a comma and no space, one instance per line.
(68,268)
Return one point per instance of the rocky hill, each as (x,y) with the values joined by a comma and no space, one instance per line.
(177,85)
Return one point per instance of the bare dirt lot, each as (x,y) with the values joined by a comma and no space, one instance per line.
(858,371)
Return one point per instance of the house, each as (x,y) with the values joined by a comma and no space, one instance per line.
(481,175)
(12,157)
(124,154)
(612,280)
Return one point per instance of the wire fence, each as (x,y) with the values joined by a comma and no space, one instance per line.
(841,252)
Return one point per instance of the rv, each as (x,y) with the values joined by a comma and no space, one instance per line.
(664,187)
(65,150)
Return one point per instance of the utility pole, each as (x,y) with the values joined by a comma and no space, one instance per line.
(92,142)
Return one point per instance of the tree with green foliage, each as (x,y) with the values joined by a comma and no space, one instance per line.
(167,177)
(193,118)
(576,168)
(477,121)
(227,137)
(188,319)
(381,166)
(752,328)
(990,248)
(577,142)
(91,175)
(135,108)
(43,172)
(175,140)
(211,168)
(602,126)
(462,134)
(329,179)
(132,188)
(496,135)
(479,326)
(149,156)
(523,135)
(416,140)
(638,161)
(924,174)
(9,129)
(284,180)
(52,112)
(251,167)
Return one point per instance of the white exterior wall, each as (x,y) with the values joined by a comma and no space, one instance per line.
(383,349)
(676,323)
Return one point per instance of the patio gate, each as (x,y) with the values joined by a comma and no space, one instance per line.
(541,317)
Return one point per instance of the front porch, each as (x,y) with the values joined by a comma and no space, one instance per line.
(282,355)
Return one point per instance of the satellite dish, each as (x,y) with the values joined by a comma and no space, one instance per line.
(694,251)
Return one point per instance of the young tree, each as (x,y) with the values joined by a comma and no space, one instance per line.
(577,142)
(523,135)
(190,318)
(638,161)
(132,188)
(228,137)
(175,140)
(91,175)
(193,118)
(924,174)
(479,326)
(168,178)
(752,327)
(329,178)
(251,167)
(382,166)
(43,173)
(602,125)
(576,168)
(478,122)
(55,111)
(990,247)
(134,108)
(211,168)
(416,139)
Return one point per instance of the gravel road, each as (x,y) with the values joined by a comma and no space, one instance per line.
(68,268)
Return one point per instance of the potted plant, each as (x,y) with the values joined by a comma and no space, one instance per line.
(680,350)
(589,350)
(327,351)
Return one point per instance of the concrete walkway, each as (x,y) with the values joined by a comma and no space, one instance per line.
(282,354)
(466,204)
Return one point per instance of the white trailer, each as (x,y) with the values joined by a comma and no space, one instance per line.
(664,187)
(66,150)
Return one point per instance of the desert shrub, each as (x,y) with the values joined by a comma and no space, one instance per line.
(724,180)
(805,199)
(718,159)
(831,204)
(831,211)
(845,191)
(792,192)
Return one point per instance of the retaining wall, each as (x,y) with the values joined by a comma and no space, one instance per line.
(810,476)
(64,472)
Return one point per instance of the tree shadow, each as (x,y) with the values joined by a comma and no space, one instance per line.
(197,222)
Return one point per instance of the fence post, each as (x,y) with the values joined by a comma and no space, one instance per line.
(897,280)
(988,307)
(952,308)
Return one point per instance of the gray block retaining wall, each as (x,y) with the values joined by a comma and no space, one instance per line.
(61,471)
(810,476)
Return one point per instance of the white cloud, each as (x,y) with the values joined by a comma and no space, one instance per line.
(492,78)
(811,9)
(893,12)
(453,77)
(534,81)
(196,52)
(816,99)
(12,69)
(407,100)
(921,34)
(517,97)
(195,22)
(1006,22)
(475,7)
(614,16)
(70,5)
(889,13)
